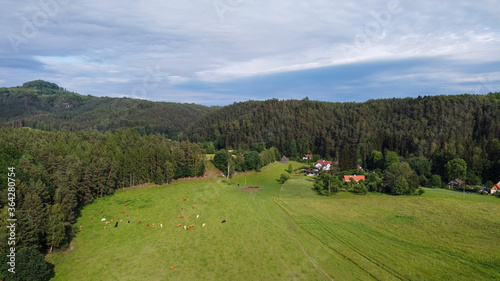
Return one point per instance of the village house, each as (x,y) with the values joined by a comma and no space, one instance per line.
(322,164)
(307,157)
(284,159)
(495,188)
(357,178)
(309,172)
(456,183)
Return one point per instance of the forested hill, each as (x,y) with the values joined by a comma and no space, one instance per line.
(446,126)
(43,105)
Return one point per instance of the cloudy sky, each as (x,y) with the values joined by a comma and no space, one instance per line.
(216,52)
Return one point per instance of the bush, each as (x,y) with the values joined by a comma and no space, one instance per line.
(284,178)
(421,191)
(360,188)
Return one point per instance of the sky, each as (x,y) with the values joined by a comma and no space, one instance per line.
(217,52)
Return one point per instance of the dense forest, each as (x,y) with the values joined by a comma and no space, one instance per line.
(44,105)
(59,172)
(439,128)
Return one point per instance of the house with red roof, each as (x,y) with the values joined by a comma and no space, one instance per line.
(307,156)
(324,165)
(495,188)
(357,178)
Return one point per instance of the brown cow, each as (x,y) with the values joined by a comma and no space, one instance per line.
(139,222)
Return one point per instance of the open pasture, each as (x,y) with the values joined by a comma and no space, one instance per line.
(282,233)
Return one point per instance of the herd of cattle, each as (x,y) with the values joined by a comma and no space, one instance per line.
(186,227)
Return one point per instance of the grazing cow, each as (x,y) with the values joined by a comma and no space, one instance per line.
(184,227)
(123,212)
(108,222)
(148,224)
(125,205)
(179,225)
(178,216)
(153,225)
(127,215)
(193,207)
(197,216)
(182,208)
(105,227)
(111,219)
(172,267)
(201,195)
(161,225)
(91,218)
(116,224)
(195,202)
(182,217)
(121,220)
(191,226)
(187,217)
(215,195)
(205,202)
(223,221)
(103,219)
(128,221)
(185,199)
(81,226)
(203,225)
(139,222)
(100,212)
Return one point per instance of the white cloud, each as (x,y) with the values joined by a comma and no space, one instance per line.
(109,43)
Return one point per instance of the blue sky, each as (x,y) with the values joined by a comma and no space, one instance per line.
(216,52)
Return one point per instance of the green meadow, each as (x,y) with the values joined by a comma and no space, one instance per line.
(282,232)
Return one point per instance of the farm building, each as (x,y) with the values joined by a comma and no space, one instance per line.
(284,159)
(495,188)
(456,183)
(307,157)
(347,178)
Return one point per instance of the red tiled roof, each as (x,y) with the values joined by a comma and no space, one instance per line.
(323,162)
(496,186)
(356,178)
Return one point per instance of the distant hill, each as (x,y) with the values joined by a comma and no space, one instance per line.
(44,105)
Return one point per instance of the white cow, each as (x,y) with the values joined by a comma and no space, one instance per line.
(103,219)
(197,216)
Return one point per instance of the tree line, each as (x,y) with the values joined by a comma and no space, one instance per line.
(437,128)
(58,172)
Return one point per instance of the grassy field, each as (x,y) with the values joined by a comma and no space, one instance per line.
(282,233)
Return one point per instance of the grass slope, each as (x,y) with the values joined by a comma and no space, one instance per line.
(282,233)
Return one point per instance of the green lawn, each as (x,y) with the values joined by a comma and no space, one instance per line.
(283,233)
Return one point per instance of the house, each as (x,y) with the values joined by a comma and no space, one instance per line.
(322,164)
(359,167)
(309,172)
(307,156)
(347,178)
(456,183)
(495,188)
(284,159)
